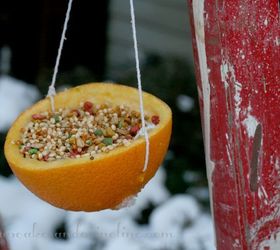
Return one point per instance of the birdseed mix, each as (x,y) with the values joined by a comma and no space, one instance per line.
(83,132)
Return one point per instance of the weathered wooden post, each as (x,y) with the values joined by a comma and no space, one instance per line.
(237,58)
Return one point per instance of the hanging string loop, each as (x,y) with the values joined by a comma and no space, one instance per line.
(52,92)
(139,83)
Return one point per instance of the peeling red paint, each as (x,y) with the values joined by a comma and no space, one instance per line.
(241,39)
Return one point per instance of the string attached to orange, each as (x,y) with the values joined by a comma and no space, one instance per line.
(144,128)
(52,92)
(107,180)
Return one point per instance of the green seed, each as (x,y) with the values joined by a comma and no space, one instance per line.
(33,151)
(120,124)
(56,118)
(107,141)
(98,132)
(89,142)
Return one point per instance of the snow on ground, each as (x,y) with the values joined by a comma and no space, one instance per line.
(184,103)
(200,235)
(15,96)
(177,222)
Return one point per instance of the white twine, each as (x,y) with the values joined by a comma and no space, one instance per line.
(132,12)
(52,92)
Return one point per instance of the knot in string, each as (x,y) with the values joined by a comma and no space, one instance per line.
(51,94)
(51,91)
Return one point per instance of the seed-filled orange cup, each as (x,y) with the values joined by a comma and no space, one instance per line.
(110,177)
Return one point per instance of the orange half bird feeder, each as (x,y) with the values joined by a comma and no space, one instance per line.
(83,149)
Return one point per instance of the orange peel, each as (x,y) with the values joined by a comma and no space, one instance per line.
(108,180)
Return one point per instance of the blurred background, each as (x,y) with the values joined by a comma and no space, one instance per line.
(172,211)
